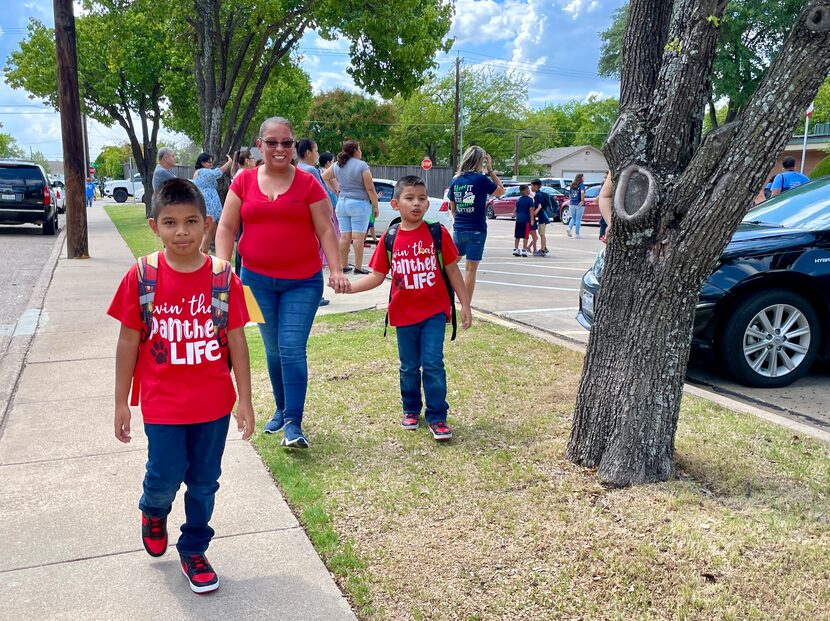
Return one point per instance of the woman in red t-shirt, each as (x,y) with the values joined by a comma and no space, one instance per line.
(287,218)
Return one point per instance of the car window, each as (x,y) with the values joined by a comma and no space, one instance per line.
(593,191)
(20,176)
(805,207)
(385,191)
(511,191)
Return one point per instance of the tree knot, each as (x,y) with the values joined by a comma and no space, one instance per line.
(818,18)
(636,194)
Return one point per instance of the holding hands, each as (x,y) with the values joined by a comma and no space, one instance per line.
(340,283)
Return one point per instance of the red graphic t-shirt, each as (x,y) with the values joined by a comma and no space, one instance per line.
(184,371)
(278,237)
(418,289)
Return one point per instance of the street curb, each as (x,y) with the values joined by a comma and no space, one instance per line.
(13,362)
(689,389)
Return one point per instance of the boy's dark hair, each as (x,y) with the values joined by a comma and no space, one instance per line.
(788,163)
(304,145)
(536,182)
(408,181)
(177,192)
(524,187)
(325,158)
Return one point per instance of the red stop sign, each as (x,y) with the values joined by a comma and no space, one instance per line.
(426,163)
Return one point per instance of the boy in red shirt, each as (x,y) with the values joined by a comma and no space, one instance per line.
(186,388)
(420,305)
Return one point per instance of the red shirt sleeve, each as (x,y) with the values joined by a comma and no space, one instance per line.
(380,259)
(448,248)
(239,183)
(124,306)
(237,310)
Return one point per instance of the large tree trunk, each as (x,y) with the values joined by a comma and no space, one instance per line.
(677,203)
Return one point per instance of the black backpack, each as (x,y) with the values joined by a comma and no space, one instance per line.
(435,231)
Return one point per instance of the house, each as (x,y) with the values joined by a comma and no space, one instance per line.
(568,161)
(818,147)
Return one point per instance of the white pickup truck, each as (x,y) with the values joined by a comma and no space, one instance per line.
(121,189)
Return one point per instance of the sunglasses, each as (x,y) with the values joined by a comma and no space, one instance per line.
(272,144)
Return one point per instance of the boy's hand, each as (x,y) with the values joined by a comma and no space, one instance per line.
(340,283)
(245,419)
(122,423)
(466,317)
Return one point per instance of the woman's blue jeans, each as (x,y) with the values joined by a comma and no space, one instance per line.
(191,454)
(421,351)
(576,217)
(288,307)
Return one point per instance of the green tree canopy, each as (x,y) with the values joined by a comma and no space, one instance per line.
(110,161)
(8,146)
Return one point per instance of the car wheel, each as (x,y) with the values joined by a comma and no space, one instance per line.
(120,195)
(771,339)
(50,227)
(491,214)
(565,215)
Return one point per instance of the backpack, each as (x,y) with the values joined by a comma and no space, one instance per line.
(435,231)
(220,285)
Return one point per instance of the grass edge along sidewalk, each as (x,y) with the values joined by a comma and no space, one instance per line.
(499,525)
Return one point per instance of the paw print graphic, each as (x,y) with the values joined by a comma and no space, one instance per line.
(159,352)
(398,282)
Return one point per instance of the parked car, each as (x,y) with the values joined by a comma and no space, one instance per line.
(560,183)
(765,310)
(439,209)
(60,195)
(27,196)
(121,189)
(591,215)
(505,205)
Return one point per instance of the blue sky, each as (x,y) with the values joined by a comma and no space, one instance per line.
(554,42)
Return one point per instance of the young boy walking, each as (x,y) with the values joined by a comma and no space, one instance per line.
(169,305)
(524,220)
(419,305)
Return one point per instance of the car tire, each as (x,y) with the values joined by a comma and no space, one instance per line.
(50,227)
(120,195)
(565,215)
(771,339)
(491,214)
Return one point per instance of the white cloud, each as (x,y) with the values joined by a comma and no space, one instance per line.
(576,8)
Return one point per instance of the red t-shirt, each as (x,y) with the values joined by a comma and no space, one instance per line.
(418,289)
(183,370)
(278,238)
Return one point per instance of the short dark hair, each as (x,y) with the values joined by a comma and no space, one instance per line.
(536,182)
(523,187)
(325,158)
(408,181)
(201,159)
(304,146)
(789,162)
(177,192)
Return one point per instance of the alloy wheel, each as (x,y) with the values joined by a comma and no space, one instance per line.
(776,340)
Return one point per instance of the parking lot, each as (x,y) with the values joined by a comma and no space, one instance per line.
(544,293)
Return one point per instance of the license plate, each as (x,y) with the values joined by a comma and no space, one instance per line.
(588,302)
(7,197)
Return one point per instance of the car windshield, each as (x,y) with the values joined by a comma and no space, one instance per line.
(806,207)
(593,191)
(20,176)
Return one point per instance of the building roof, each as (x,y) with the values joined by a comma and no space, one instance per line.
(551,156)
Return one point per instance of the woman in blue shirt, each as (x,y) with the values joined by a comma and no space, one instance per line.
(205,179)
(577,207)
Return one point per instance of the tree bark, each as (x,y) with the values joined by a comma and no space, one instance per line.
(676,204)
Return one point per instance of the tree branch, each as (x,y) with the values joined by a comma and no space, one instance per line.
(643,43)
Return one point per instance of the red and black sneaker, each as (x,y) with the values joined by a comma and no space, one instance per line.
(154,534)
(410,421)
(199,573)
(440,431)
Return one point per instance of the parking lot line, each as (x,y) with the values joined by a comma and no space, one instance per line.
(511,284)
(531,275)
(539,310)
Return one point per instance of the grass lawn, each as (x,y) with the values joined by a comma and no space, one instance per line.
(130,222)
(499,525)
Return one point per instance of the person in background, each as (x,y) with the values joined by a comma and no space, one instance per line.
(325,161)
(768,188)
(243,161)
(90,192)
(356,200)
(605,200)
(577,206)
(541,205)
(467,195)
(788,179)
(524,220)
(205,178)
(164,168)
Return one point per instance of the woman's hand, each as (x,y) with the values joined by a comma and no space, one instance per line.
(340,283)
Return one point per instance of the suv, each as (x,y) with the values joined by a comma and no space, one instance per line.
(27,196)
(121,189)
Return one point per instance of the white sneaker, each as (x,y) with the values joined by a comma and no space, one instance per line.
(524,253)
(515,252)
(568,231)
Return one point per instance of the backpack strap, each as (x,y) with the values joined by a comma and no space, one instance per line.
(220,288)
(435,230)
(388,243)
(147,270)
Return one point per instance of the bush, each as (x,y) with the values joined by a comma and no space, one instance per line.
(821,169)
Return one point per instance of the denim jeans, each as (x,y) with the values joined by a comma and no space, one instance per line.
(576,217)
(288,307)
(191,454)
(421,347)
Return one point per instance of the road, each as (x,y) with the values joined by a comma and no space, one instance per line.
(544,292)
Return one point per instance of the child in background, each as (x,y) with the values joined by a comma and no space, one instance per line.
(90,192)
(419,306)
(186,389)
(524,219)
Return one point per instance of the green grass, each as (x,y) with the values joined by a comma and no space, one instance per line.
(130,222)
(499,525)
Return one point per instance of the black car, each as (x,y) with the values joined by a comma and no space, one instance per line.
(27,196)
(765,310)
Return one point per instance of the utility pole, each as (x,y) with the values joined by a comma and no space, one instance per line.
(456,125)
(69,102)
(516,158)
(87,161)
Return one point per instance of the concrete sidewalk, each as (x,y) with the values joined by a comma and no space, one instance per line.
(70,530)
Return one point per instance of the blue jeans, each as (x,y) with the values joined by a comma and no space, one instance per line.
(470,243)
(191,454)
(576,217)
(421,346)
(288,307)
